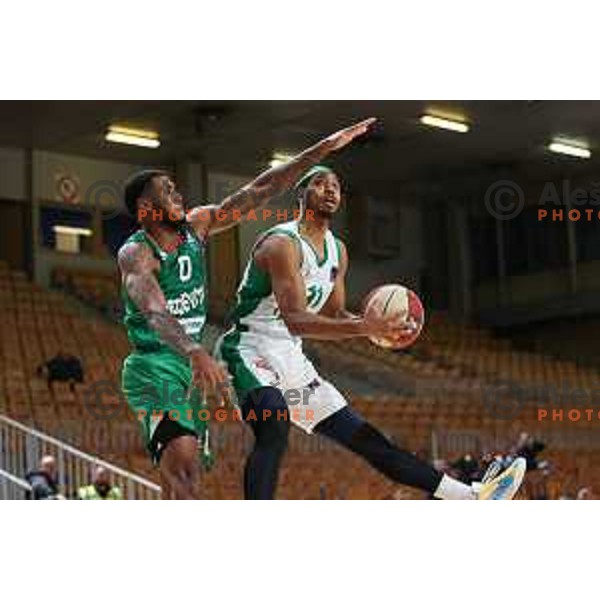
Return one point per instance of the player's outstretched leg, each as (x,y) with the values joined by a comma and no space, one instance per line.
(265,410)
(351,431)
(166,493)
(179,467)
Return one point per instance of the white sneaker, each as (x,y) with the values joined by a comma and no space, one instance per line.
(505,485)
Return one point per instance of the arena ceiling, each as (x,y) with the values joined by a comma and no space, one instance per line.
(241,136)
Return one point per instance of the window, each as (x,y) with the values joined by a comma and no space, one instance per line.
(56,223)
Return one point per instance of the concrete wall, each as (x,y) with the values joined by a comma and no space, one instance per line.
(15,213)
(369,270)
(13,183)
(443,260)
(89,183)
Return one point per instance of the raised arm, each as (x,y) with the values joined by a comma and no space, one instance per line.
(138,266)
(210,219)
(280,257)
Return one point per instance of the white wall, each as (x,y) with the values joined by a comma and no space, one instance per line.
(98,182)
(49,167)
(367,272)
(88,173)
(47,260)
(222,184)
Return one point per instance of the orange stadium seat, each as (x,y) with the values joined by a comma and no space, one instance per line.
(434,391)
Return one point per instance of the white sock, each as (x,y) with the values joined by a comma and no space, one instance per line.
(452,489)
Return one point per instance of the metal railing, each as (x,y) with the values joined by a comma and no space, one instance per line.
(13,488)
(22,447)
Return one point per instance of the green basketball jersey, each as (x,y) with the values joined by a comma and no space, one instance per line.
(182,279)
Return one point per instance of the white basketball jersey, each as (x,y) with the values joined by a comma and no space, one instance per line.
(256,309)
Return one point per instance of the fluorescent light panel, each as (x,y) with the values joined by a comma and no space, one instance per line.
(569,149)
(132,137)
(442,123)
(72,230)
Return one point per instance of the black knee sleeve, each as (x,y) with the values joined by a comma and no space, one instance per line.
(351,431)
(265,411)
(397,464)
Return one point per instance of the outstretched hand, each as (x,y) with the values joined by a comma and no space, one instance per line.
(342,138)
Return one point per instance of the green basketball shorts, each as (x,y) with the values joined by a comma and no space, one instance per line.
(159,384)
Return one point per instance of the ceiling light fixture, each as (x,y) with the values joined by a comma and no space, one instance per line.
(72,230)
(561,147)
(132,137)
(441,123)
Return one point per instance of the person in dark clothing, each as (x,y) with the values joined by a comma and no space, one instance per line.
(530,449)
(466,469)
(43,481)
(63,367)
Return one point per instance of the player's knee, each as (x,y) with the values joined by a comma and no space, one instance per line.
(274,401)
(179,461)
(266,404)
(183,474)
(277,432)
(272,417)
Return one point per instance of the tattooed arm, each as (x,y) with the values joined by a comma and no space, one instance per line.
(138,266)
(210,219)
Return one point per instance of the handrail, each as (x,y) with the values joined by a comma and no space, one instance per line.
(97,461)
(16,480)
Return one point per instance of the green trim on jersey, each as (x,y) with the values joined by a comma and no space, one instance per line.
(143,237)
(320,261)
(338,246)
(256,286)
(277,230)
(256,310)
(244,379)
(256,283)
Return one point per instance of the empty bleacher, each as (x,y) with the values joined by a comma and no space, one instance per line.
(431,397)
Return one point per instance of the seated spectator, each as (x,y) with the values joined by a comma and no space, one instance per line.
(44,481)
(100,488)
(529,448)
(585,493)
(63,367)
(466,468)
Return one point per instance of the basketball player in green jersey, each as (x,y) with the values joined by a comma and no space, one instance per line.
(164,287)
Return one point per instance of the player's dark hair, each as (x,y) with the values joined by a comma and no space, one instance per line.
(299,192)
(136,185)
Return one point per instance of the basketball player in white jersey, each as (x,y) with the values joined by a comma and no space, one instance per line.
(293,287)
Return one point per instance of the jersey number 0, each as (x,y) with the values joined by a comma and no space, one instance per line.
(185,268)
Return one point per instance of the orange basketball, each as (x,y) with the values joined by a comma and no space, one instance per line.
(396,299)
